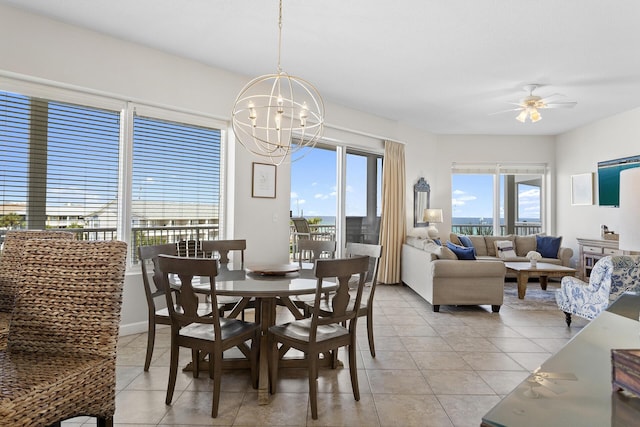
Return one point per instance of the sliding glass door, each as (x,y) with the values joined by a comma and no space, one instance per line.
(337,189)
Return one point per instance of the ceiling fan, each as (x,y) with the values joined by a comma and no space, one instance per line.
(530,105)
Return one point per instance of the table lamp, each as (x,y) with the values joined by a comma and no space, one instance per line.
(432,216)
(629,210)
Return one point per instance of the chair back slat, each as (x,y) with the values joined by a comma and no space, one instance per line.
(343,302)
(186,270)
(148,256)
(223,247)
(71,298)
(317,250)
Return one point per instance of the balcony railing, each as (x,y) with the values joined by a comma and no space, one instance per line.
(520,229)
(142,236)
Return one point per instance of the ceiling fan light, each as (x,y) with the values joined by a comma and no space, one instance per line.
(522,116)
(535,116)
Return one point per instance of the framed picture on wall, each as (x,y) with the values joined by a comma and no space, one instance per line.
(263,183)
(582,189)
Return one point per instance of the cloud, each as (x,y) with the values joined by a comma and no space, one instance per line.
(321,196)
(294,195)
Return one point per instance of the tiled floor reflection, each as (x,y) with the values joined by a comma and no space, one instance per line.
(431,369)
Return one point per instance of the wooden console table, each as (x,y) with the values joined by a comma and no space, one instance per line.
(591,250)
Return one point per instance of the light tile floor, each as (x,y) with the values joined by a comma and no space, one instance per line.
(431,369)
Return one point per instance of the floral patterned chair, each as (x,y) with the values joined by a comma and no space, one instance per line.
(610,277)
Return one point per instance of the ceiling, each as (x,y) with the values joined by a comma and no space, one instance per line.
(440,65)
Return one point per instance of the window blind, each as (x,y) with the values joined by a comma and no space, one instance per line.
(58,164)
(176,175)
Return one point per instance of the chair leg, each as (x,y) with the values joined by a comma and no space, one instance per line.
(567,318)
(372,347)
(173,372)
(273,357)
(195,361)
(216,359)
(104,422)
(151,338)
(353,371)
(313,385)
(254,359)
(436,308)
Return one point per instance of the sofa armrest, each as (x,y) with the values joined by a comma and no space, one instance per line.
(564,255)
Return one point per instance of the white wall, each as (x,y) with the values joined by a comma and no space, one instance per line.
(578,152)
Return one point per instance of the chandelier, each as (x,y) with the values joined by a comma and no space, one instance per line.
(278,116)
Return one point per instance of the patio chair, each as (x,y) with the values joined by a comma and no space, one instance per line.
(303,231)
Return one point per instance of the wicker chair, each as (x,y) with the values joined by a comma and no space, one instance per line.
(60,361)
(10,271)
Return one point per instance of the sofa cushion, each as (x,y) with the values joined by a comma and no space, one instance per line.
(504,249)
(524,244)
(548,246)
(479,245)
(453,238)
(461,252)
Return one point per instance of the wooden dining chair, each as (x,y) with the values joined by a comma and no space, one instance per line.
(220,249)
(153,290)
(321,334)
(203,334)
(10,261)
(374,252)
(60,360)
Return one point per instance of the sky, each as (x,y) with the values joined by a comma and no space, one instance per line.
(313,184)
(472,197)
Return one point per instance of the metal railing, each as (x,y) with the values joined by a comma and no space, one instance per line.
(142,236)
(520,229)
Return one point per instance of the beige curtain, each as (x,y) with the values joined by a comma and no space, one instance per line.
(392,227)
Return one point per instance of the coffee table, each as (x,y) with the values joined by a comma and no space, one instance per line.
(542,271)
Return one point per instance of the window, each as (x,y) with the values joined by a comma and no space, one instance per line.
(176,182)
(497,199)
(58,165)
(60,168)
(316,192)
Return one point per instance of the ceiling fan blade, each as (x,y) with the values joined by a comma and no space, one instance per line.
(553,95)
(567,104)
(506,111)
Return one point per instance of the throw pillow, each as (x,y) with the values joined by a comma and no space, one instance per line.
(461,252)
(466,241)
(446,253)
(437,242)
(504,249)
(548,246)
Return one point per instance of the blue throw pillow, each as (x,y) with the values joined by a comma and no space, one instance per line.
(548,246)
(462,252)
(466,241)
(437,242)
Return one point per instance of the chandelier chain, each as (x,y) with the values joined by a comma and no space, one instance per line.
(279,36)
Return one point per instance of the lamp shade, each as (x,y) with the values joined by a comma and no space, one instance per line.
(433,215)
(629,210)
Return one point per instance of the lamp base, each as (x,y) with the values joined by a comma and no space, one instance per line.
(433,232)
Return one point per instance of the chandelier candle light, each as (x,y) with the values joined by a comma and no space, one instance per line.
(278,116)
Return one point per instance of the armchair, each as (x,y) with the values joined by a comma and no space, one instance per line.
(610,277)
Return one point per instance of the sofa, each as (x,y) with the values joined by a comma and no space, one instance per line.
(441,280)
(485,247)
(435,273)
